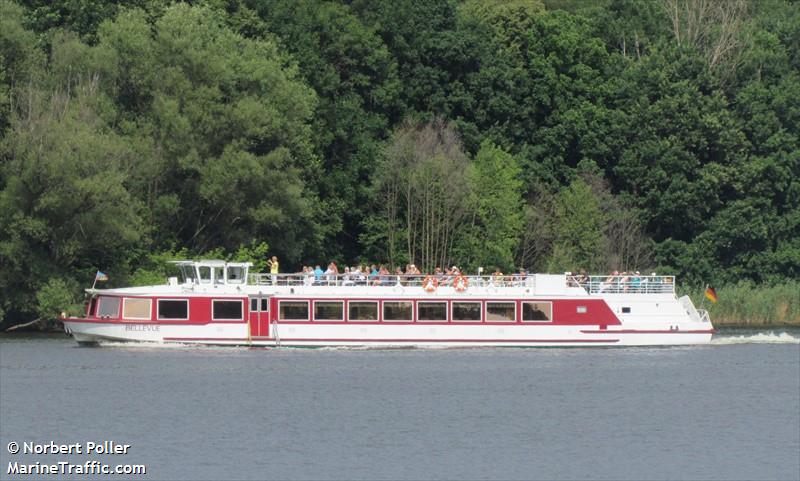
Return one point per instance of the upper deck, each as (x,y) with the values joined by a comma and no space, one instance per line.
(536,284)
(217,277)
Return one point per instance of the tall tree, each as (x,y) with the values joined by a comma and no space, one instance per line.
(224,124)
(495,208)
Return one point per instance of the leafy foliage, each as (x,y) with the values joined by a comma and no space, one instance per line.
(555,134)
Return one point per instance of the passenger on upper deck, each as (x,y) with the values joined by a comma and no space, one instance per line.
(318,273)
(497,277)
(273,269)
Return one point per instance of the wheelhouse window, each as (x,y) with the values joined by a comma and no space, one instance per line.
(177,309)
(235,275)
(467,311)
(537,311)
(432,311)
(501,312)
(397,311)
(108,307)
(293,310)
(204,274)
(363,311)
(329,310)
(219,275)
(226,310)
(136,308)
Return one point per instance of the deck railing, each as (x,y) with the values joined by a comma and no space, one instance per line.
(592,284)
(384,280)
(630,284)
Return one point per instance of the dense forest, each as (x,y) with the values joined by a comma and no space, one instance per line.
(546,134)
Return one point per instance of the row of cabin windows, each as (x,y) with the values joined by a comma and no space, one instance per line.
(178,309)
(402,311)
(168,309)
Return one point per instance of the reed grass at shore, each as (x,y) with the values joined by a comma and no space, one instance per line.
(749,305)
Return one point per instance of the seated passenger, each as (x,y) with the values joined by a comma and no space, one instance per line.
(347,279)
(497,277)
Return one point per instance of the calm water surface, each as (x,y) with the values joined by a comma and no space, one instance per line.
(730,410)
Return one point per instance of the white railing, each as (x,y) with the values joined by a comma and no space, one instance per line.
(592,284)
(631,284)
(385,280)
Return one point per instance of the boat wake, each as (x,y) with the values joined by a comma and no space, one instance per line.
(768,337)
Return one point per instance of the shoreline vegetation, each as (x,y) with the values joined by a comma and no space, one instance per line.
(747,305)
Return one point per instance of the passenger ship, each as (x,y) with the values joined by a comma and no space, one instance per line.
(217,302)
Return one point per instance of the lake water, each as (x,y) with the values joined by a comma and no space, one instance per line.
(729,410)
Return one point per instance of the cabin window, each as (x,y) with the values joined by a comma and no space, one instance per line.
(328,310)
(397,311)
(235,275)
(204,273)
(226,310)
(293,310)
(432,311)
(173,309)
(467,311)
(363,311)
(580,309)
(501,311)
(109,307)
(537,311)
(626,310)
(254,305)
(136,308)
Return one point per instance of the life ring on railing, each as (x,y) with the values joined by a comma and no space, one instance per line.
(430,283)
(460,283)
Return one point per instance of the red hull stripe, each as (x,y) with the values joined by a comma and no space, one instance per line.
(315,339)
(637,331)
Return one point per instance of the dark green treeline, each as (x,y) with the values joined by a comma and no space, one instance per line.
(547,134)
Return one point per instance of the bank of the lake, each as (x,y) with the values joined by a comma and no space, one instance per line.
(753,306)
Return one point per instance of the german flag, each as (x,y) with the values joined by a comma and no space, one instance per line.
(711,294)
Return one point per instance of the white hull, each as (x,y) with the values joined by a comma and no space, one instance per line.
(389,336)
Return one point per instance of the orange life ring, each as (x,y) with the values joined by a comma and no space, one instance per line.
(460,283)
(430,283)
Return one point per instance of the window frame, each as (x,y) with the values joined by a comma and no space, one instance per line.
(480,311)
(541,321)
(225,319)
(149,309)
(383,311)
(377,311)
(100,306)
(314,310)
(507,321)
(158,310)
(308,310)
(446,310)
